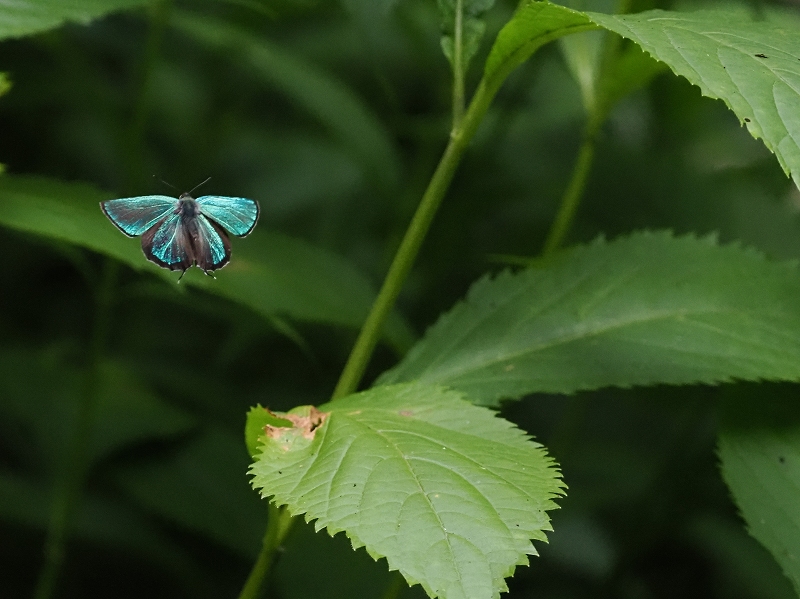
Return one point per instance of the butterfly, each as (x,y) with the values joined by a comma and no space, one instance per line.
(184,232)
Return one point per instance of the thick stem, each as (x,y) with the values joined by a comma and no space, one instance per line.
(278,525)
(410,245)
(75,467)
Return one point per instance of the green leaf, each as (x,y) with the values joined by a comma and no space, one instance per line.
(640,310)
(257,418)
(447,492)
(270,273)
(326,98)
(532,26)
(42,392)
(583,52)
(759,450)
(103,522)
(24,17)
(753,66)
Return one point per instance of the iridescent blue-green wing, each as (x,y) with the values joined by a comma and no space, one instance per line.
(168,244)
(134,216)
(237,215)
(212,248)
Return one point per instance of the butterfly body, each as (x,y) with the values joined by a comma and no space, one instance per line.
(184,232)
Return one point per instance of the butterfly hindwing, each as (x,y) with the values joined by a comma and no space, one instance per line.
(165,244)
(236,215)
(212,248)
(134,216)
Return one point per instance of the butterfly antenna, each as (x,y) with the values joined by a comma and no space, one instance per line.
(198,185)
(165,183)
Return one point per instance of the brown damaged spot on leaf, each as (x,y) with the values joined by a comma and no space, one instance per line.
(306,425)
(406,413)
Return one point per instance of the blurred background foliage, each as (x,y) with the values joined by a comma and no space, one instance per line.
(333,116)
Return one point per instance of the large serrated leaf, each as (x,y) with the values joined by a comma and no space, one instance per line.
(759,449)
(269,272)
(447,492)
(753,66)
(641,310)
(24,17)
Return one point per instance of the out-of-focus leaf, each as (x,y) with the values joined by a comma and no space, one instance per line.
(448,493)
(759,449)
(270,273)
(25,17)
(641,310)
(33,383)
(202,487)
(99,520)
(753,66)
(329,100)
(744,564)
(472,27)
(583,52)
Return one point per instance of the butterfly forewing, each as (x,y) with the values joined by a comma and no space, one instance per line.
(236,215)
(134,216)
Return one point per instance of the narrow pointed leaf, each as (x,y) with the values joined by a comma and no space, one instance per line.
(25,17)
(642,310)
(448,493)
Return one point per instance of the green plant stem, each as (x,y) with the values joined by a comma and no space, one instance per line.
(411,243)
(458,65)
(351,376)
(574,192)
(279,523)
(75,467)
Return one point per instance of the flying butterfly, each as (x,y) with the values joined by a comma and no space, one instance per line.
(184,232)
